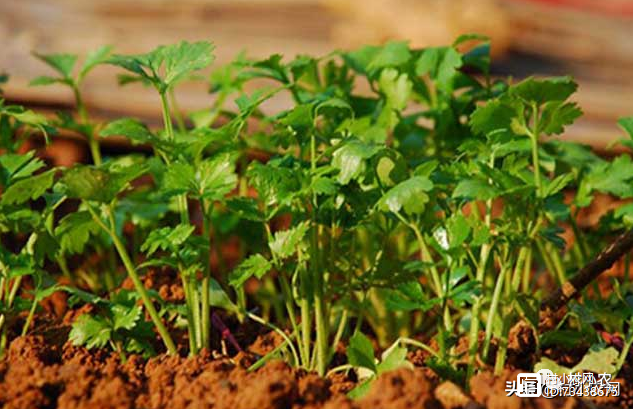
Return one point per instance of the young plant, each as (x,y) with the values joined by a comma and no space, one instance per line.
(116,322)
(64,65)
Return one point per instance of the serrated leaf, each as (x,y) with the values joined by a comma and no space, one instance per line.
(558,184)
(274,185)
(90,331)
(556,115)
(254,266)
(442,64)
(28,189)
(246,208)
(475,189)
(98,183)
(62,63)
(392,54)
(458,230)
(495,117)
(536,91)
(167,238)
(132,129)
(74,231)
(166,65)
(16,166)
(94,58)
(350,160)
(212,179)
(124,317)
(408,296)
(410,196)
(285,243)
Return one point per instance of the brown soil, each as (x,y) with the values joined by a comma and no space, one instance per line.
(41,373)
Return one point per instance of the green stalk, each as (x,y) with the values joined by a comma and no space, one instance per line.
(473,335)
(287,292)
(206,280)
(138,285)
(29,318)
(319,302)
(93,143)
(193,346)
(494,306)
(162,330)
(306,320)
(534,138)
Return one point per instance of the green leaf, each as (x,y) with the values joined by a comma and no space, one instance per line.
(397,90)
(274,184)
(167,238)
(410,195)
(556,115)
(350,159)
(408,296)
(285,243)
(29,188)
(598,360)
(16,166)
(212,179)
(215,178)
(392,54)
(361,389)
(458,230)
(124,317)
(46,80)
(558,184)
(495,117)
(360,352)
(254,266)
(539,92)
(246,208)
(393,358)
(608,177)
(219,298)
(131,128)
(91,332)
(475,189)
(98,183)
(94,58)
(166,65)
(441,64)
(74,231)
(62,63)
(627,125)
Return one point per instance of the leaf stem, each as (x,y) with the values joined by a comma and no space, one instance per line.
(138,285)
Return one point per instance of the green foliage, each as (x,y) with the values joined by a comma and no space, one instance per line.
(166,65)
(116,323)
(432,198)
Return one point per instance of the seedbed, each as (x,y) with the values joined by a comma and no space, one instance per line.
(411,232)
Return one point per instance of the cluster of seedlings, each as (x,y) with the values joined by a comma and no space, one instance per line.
(405,195)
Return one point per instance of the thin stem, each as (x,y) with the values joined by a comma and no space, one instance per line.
(534,137)
(206,280)
(29,318)
(138,285)
(494,305)
(93,143)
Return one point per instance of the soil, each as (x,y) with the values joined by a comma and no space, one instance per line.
(42,372)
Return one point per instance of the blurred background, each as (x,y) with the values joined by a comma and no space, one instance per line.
(589,39)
